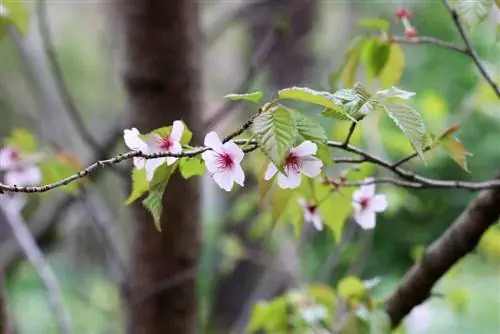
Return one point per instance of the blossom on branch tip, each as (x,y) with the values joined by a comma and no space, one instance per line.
(134,142)
(311,214)
(402,13)
(223,161)
(299,160)
(19,170)
(366,204)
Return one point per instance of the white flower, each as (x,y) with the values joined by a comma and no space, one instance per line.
(223,161)
(155,143)
(299,160)
(366,204)
(19,171)
(419,319)
(134,142)
(311,214)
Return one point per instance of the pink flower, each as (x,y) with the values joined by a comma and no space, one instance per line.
(223,161)
(299,160)
(134,142)
(20,171)
(311,214)
(366,204)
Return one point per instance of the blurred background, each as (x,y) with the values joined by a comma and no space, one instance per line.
(86,235)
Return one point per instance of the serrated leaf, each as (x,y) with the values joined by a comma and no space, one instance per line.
(304,94)
(253,97)
(472,13)
(374,23)
(139,185)
(191,167)
(15,13)
(22,140)
(154,203)
(456,150)
(394,67)
(393,93)
(375,55)
(309,129)
(351,287)
(410,122)
(335,114)
(275,131)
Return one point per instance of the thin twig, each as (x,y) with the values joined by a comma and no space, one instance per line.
(350,133)
(43,269)
(428,40)
(410,157)
(470,50)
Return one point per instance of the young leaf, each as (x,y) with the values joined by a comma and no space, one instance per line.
(324,154)
(139,185)
(304,94)
(393,93)
(472,13)
(154,203)
(253,97)
(455,149)
(375,55)
(191,167)
(383,25)
(275,131)
(347,72)
(351,287)
(309,129)
(393,69)
(23,140)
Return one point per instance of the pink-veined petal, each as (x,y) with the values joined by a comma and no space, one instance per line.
(234,151)
(270,171)
(365,219)
(369,189)
(289,181)
(238,175)
(139,162)
(210,158)
(132,139)
(305,148)
(177,130)
(317,221)
(213,141)
(224,179)
(25,177)
(151,165)
(378,203)
(311,167)
(153,143)
(175,148)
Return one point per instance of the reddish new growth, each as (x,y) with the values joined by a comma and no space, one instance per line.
(411,32)
(403,13)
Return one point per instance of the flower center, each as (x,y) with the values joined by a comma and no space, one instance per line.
(165,143)
(311,208)
(292,163)
(364,202)
(225,161)
(14,155)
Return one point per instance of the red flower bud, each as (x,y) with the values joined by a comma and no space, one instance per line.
(411,32)
(403,13)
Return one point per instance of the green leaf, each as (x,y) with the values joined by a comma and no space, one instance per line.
(351,287)
(275,131)
(347,72)
(324,154)
(410,122)
(393,94)
(139,185)
(253,97)
(309,129)
(154,203)
(375,55)
(279,202)
(269,316)
(472,13)
(16,14)
(304,94)
(23,140)
(56,170)
(455,149)
(383,25)
(380,323)
(191,167)
(394,67)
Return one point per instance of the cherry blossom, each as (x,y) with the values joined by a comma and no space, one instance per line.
(419,319)
(311,214)
(299,160)
(366,204)
(223,161)
(134,142)
(19,170)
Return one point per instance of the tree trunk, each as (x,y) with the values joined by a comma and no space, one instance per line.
(162,81)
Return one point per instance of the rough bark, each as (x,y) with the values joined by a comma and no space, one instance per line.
(162,82)
(460,239)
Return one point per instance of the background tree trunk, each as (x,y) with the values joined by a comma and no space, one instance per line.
(162,81)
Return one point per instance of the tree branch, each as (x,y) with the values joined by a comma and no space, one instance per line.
(460,239)
(429,40)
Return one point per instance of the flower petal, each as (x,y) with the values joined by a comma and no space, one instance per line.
(378,203)
(270,171)
(234,151)
(305,148)
(132,139)
(153,143)
(289,181)
(151,165)
(365,219)
(6,158)
(210,158)
(238,175)
(177,130)
(311,167)
(317,221)
(369,189)
(26,177)
(302,202)
(139,162)
(224,179)
(212,140)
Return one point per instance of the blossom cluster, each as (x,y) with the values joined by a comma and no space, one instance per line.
(223,163)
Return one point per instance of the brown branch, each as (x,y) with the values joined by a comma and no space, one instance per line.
(459,240)
(428,40)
